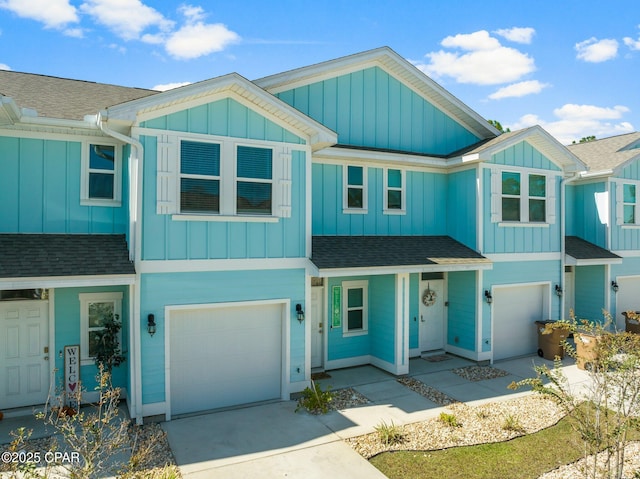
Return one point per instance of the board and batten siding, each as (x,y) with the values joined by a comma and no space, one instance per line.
(371,108)
(225,117)
(165,238)
(166,289)
(40,190)
(582,215)
(461,312)
(382,317)
(424,190)
(501,237)
(462,215)
(590,292)
(67,332)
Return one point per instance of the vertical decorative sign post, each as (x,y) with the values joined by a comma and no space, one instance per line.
(72,375)
(336,307)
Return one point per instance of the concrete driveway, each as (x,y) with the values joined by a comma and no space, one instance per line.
(273,441)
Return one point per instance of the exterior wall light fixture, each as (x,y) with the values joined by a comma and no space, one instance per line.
(614,286)
(487,296)
(300,312)
(558,290)
(151,324)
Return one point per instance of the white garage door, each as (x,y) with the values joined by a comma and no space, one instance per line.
(515,309)
(627,298)
(225,356)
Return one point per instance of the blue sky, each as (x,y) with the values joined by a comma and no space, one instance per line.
(571,66)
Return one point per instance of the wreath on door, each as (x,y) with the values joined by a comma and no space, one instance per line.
(428,297)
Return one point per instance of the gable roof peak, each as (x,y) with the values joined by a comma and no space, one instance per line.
(397,67)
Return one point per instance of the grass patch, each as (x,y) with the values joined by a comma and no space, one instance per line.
(525,457)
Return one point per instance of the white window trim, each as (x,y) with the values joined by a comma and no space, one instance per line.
(168,179)
(403,193)
(346,286)
(85,169)
(345,191)
(620,204)
(496,198)
(85,300)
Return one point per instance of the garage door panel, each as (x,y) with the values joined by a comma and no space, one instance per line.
(627,298)
(515,309)
(225,356)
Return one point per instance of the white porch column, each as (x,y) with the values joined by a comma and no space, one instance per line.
(402,324)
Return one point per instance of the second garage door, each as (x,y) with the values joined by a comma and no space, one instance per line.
(225,356)
(627,298)
(515,310)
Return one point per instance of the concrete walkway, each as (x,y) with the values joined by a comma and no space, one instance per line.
(272,441)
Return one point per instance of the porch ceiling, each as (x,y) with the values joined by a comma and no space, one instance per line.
(581,253)
(430,252)
(63,255)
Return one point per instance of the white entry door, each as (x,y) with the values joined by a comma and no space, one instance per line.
(431,329)
(24,365)
(317,326)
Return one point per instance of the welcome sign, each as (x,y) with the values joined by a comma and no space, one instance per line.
(72,375)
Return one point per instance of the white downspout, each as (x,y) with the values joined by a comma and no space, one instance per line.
(135,233)
(563,226)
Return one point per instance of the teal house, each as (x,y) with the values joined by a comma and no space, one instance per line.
(248,232)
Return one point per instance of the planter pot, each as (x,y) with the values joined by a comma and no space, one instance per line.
(586,350)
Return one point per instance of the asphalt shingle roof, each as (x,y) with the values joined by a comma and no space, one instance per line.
(330,252)
(63,98)
(608,153)
(581,249)
(47,255)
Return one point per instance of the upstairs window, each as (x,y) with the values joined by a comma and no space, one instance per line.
(629,199)
(223,179)
(355,189)
(199,177)
(524,197)
(394,195)
(101,175)
(254,180)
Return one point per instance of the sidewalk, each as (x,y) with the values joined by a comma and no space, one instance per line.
(272,440)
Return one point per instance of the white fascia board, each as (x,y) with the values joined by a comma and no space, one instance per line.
(10,110)
(571,261)
(386,157)
(206,265)
(518,257)
(67,281)
(233,85)
(384,270)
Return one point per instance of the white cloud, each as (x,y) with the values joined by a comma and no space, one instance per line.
(4,66)
(577,121)
(126,18)
(517,34)
(631,43)
(170,86)
(52,13)
(486,62)
(196,38)
(519,89)
(589,112)
(596,51)
(74,32)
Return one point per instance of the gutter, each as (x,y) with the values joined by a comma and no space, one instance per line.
(135,233)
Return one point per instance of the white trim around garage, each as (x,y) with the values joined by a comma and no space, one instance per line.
(285,384)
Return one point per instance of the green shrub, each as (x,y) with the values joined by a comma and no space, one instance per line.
(389,433)
(314,399)
(449,420)
(511,423)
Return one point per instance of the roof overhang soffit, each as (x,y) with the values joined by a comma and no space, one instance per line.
(233,86)
(541,141)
